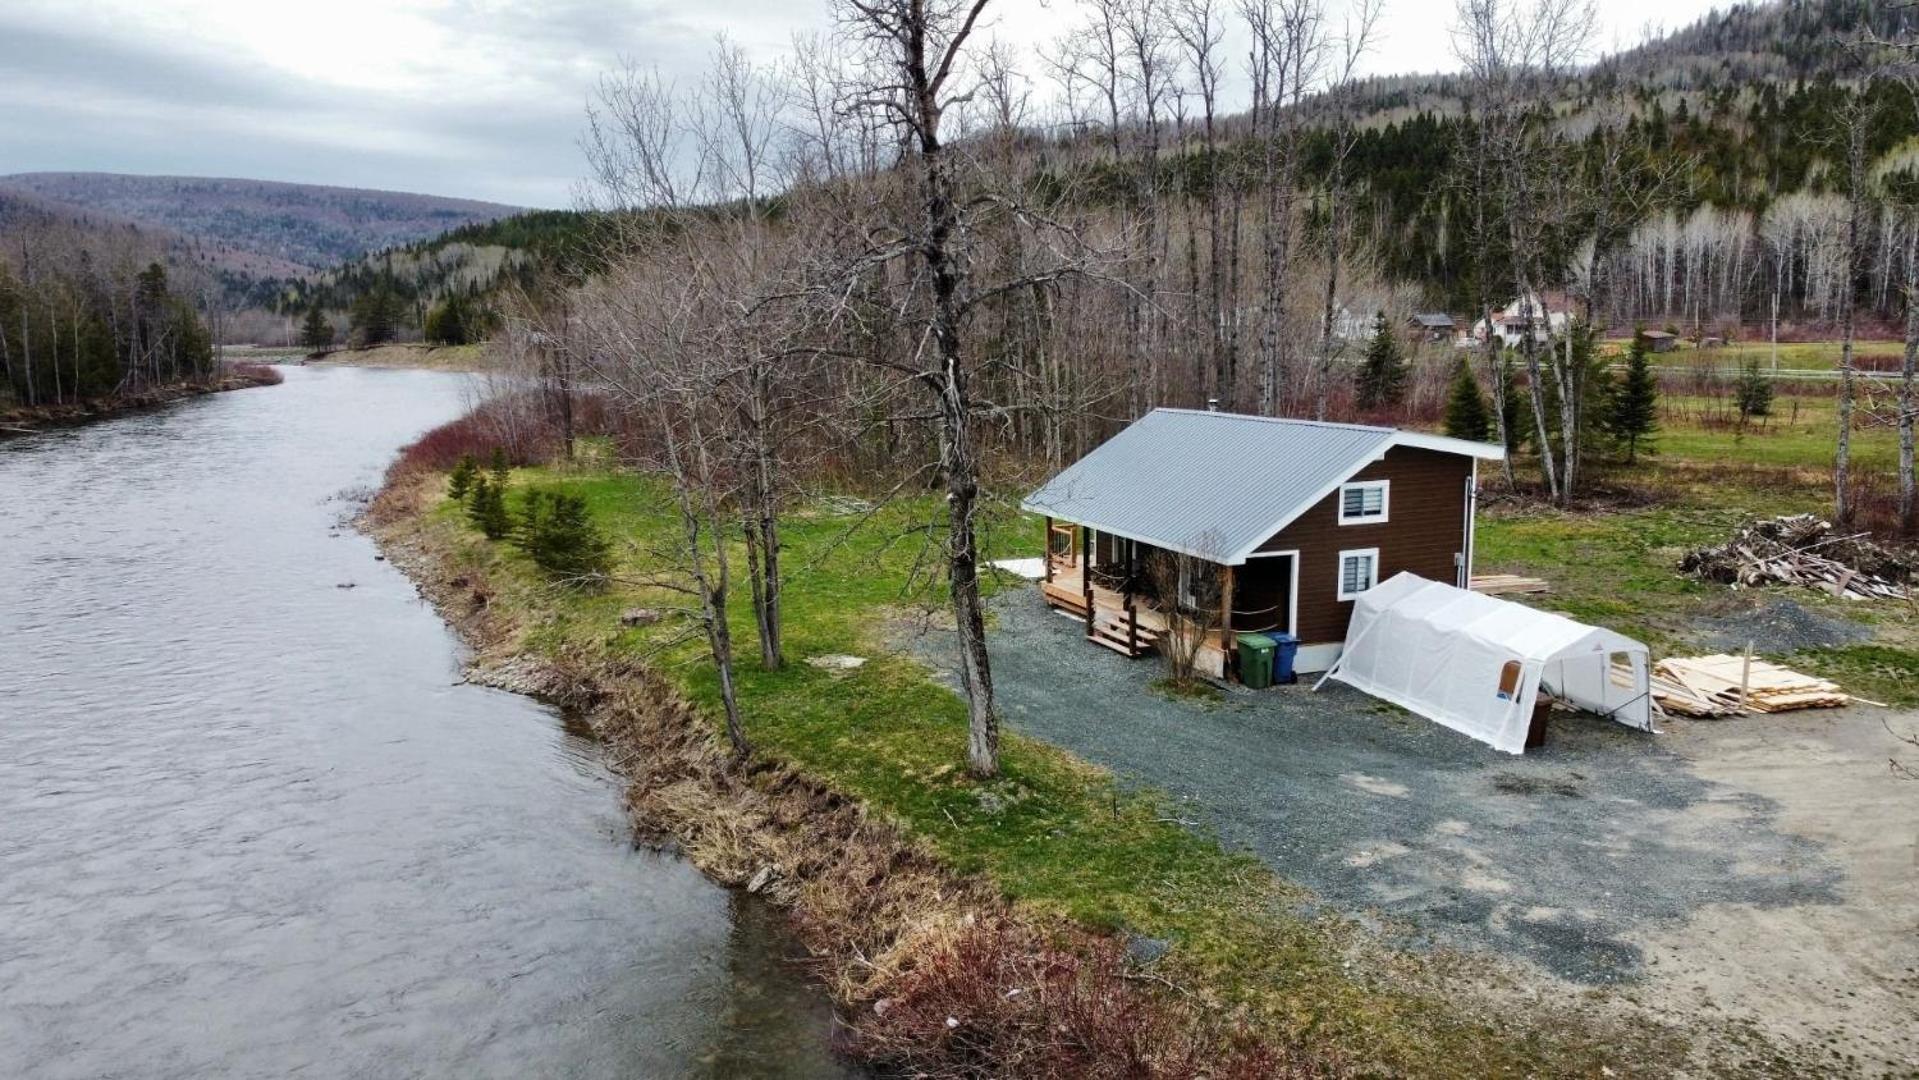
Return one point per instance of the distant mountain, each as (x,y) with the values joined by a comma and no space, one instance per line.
(284,226)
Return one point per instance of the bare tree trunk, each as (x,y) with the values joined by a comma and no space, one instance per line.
(1907,368)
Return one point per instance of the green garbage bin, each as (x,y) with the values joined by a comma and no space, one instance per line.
(1256,660)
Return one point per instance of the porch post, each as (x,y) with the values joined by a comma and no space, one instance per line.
(1227,652)
(1046,549)
(1132,613)
(1086,574)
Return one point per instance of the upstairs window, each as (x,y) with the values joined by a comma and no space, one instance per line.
(1363,503)
(1358,571)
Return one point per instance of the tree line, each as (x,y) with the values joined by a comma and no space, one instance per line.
(86,315)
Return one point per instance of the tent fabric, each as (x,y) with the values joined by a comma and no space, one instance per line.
(1444,653)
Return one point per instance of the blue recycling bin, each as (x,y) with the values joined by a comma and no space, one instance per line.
(1287,648)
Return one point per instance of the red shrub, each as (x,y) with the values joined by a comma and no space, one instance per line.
(522,424)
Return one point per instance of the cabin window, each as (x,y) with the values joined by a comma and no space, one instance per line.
(1358,571)
(1363,503)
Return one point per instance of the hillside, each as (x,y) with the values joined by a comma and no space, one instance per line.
(306,225)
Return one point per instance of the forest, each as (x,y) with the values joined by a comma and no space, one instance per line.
(87,314)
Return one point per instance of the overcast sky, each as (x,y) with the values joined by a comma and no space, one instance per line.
(475,98)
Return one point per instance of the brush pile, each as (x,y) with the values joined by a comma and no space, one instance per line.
(1803,550)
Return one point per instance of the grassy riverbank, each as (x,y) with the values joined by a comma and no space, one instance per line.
(1055,841)
(415,355)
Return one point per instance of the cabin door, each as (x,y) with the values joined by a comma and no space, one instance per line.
(1266,593)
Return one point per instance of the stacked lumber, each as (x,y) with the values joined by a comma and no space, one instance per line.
(1504,584)
(1803,550)
(1713,686)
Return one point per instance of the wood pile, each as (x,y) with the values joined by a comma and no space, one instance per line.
(1714,686)
(1803,550)
(1505,584)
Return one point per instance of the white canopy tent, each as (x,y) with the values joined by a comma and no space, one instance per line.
(1477,663)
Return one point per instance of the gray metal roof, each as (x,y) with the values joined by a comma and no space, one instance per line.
(1433,319)
(1209,484)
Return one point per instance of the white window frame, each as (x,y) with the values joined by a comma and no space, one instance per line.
(1339,583)
(1385,502)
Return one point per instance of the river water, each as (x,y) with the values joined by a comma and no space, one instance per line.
(250,825)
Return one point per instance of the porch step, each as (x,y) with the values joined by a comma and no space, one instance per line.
(1112,633)
(1063,598)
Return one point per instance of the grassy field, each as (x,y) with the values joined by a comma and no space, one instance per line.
(1615,562)
(1875,354)
(1053,833)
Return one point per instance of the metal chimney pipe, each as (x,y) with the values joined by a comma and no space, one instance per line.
(1212,404)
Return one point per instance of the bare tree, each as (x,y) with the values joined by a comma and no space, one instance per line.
(915,49)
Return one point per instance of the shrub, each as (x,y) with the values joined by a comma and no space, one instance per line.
(556,530)
(461,481)
(1753,392)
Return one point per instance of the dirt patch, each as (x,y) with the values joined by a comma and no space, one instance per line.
(1775,625)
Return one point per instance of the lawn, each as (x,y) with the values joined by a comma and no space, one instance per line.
(1053,833)
(1880,355)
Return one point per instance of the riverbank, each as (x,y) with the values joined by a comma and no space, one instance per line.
(25,420)
(925,895)
(412,355)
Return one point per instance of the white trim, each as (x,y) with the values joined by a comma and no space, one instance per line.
(1292,590)
(1339,584)
(1385,502)
(1446,444)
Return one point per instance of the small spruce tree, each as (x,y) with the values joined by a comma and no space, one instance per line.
(1634,415)
(316,332)
(1753,392)
(462,477)
(1382,375)
(486,508)
(499,467)
(556,530)
(1467,416)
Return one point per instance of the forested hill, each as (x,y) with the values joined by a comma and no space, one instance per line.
(304,224)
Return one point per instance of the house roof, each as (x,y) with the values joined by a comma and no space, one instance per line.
(1217,485)
(1656,335)
(1433,320)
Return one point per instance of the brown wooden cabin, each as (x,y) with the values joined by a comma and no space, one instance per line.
(1267,524)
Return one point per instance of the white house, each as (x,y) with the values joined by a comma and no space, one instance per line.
(1550,316)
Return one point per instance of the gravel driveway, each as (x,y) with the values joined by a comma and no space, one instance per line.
(1564,856)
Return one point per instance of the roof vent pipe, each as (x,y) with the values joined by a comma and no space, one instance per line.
(1212,404)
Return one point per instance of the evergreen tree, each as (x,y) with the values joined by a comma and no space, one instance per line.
(499,467)
(1753,392)
(1382,375)
(1519,420)
(461,481)
(316,332)
(376,315)
(1467,416)
(556,530)
(486,509)
(1634,414)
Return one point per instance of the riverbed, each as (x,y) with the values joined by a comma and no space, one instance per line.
(252,824)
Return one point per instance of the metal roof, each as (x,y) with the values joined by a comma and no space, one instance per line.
(1433,319)
(1209,484)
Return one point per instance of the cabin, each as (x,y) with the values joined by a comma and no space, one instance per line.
(1435,327)
(1203,525)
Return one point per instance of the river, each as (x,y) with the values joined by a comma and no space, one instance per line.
(251,826)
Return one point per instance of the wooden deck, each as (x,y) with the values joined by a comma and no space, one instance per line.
(1135,633)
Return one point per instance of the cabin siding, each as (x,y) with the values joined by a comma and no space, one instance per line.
(1424,532)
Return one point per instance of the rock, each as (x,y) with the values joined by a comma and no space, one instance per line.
(1144,950)
(639,616)
(345,585)
(836,662)
(379,558)
(880,1006)
(760,880)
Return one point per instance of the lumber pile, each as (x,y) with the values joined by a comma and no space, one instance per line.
(1505,584)
(1803,550)
(1714,686)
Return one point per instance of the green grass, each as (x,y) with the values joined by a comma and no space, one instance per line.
(1800,355)
(1054,834)
(1879,672)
